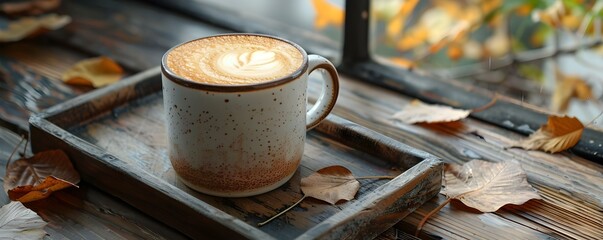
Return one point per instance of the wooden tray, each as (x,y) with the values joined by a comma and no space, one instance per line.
(116,139)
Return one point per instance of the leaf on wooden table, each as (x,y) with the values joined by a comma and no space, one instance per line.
(30,26)
(37,177)
(95,72)
(327,14)
(19,222)
(487,186)
(419,112)
(34,7)
(558,134)
(569,87)
(331,184)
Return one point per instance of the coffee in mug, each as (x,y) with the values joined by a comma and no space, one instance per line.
(236,112)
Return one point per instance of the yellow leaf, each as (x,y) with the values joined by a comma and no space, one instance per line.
(415,37)
(455,52)
(327,14)
(558,134)
(96,72)
(402,62)
(552,15)
(396,25)
(30,26)
(487,186)
(419,112)
(331,184)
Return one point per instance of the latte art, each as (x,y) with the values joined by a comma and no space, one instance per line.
(250,63)
(235,60)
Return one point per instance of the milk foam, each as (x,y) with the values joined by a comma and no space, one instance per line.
(235,60)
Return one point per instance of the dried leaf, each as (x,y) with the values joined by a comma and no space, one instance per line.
(396,25)
(331,184)
(558,134)
(419,112)
(37,177)
(569,87)
(18,222)
(30,193)
(29,26)
(327,14)
(95,72)
(487,186)
(34,7)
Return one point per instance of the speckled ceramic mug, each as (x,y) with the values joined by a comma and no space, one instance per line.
(242,140)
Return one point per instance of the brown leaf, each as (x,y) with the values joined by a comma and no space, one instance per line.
(419,112)
(331,184)
(37,177)
(487,186)
(30,193)
(558,134)
(96,72)
(30,26)
(34,7)
(569,87)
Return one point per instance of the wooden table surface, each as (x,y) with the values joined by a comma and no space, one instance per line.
(132,33)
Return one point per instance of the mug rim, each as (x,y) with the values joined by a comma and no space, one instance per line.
(185,82)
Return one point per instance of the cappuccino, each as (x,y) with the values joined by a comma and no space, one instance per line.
(234,60)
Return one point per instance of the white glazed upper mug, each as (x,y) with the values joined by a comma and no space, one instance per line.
(243,140)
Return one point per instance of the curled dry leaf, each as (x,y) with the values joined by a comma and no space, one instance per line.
(37,177)
(18,222)
(487,186)
(331,184)
(30,26)
(95,72)
(558,134)
(419,112)
(34,7)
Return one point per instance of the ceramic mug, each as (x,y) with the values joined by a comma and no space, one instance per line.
(243,140)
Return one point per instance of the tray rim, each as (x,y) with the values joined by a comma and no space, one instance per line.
(44,124)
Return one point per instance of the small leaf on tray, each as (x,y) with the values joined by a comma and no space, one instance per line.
(18,222)
(37,177)
(95,72)
(331,184)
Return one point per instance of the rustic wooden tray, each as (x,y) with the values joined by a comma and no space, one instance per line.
(116,139)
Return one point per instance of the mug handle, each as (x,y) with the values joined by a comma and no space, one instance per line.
(328,95)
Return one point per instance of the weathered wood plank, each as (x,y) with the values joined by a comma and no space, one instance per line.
(129,142)
(86,212)
(576,181)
